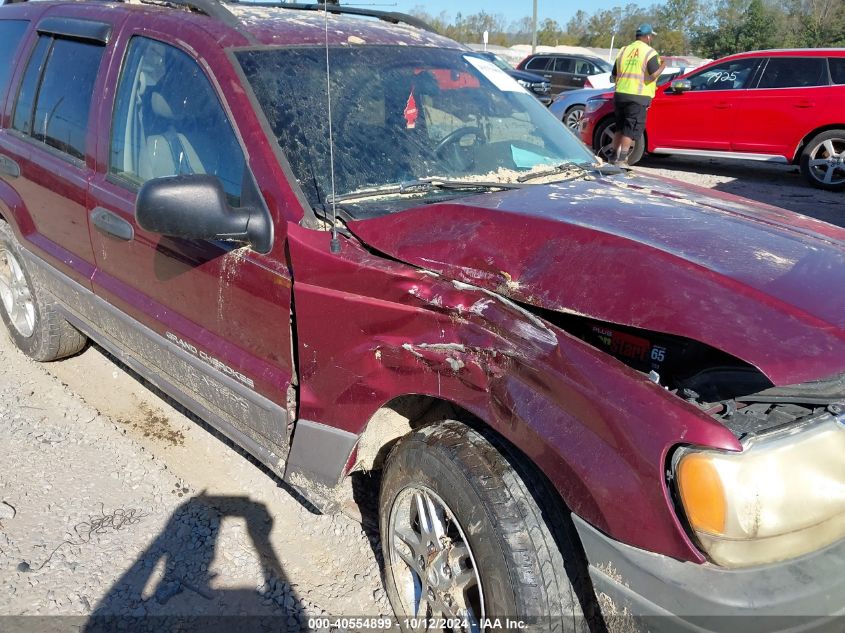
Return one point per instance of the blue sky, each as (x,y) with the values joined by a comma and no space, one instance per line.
(511,9)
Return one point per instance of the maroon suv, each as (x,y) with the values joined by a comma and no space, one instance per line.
(350,245)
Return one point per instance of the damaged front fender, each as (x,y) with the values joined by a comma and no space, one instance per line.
(371,330)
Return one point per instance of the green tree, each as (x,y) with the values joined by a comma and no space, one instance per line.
(549,33)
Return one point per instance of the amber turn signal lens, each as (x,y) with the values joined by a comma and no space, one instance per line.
(702,493)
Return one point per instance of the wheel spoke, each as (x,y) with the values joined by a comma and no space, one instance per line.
(409,538)
(828,176)
(419,612)
(464,580)
(430,524)
(819,162)
(16,313)
(831,151)
(408,559)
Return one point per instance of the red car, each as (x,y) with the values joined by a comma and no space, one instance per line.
(777,106)
(574,383)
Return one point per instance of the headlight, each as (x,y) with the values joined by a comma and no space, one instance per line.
(595,104)
(782,496)
(523,83)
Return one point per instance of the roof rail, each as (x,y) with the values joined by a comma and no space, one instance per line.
(212,8)
(333,7)
(218,10)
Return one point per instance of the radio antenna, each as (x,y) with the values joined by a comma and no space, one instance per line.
(334,244)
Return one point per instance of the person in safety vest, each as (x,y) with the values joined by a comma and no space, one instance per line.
(635,72)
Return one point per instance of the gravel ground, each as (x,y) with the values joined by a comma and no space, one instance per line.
(113,502)
(778,185)
(116,504)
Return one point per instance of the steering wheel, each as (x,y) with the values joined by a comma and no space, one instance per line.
(452,154)
(453,137)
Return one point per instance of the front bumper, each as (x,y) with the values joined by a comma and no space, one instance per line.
(543,97)
(641,590)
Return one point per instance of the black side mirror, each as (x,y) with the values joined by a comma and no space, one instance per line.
(681,85)
(194,206)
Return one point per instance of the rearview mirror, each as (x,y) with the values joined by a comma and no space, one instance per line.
(681,85)
(195,207)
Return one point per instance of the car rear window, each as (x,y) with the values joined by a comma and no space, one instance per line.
(794,72)
(11,34)
(538,63)
(837,69)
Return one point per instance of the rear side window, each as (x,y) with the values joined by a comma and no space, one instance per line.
(11,34)
(564,65)
(794,72)
(55,96)
(837,70)
(538,63)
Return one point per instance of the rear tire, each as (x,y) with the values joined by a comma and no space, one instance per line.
(507,548)
(603,142)
(823,160)
(29,311)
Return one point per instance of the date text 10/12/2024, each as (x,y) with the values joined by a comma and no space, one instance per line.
(387,623)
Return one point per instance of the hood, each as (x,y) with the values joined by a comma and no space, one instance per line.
(760,283)
(526,76)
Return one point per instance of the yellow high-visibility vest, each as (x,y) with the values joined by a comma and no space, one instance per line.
(631,69)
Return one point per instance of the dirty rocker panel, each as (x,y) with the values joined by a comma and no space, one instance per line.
(215,397)
(318,456)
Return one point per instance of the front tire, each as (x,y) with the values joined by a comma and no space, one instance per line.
(29,311)
(823,160)
(603,142)
(464,537)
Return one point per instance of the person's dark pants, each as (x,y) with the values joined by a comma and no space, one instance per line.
(630,117)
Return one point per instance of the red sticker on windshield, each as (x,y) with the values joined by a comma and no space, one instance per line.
(411,112)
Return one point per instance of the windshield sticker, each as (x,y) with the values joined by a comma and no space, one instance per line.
(495,75)
(411,113)
(526,159)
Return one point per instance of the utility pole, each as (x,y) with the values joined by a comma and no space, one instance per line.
(534,30)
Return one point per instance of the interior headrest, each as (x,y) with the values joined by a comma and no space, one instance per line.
(161,107)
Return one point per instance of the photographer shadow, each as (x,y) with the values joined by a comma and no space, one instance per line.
(173,585)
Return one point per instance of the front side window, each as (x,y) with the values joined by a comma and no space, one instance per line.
(401,114)
(169,121)
(11,34)
(794,72)
(55,96)
(583,67)
(733,75)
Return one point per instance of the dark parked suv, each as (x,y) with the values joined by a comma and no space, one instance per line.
(352,246)
(565,72)
(539,87)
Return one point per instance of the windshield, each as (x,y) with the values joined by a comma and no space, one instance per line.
(402,114)
(501,63)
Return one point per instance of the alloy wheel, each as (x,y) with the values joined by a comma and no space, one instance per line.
(432,564)
(573,118)
(827,161)
(15,294)
(606,141)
